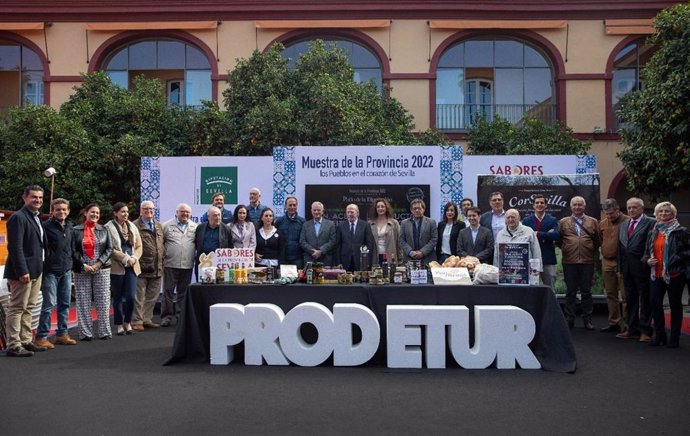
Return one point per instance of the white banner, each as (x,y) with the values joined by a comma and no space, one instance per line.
(193,180)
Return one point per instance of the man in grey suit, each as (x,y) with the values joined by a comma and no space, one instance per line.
(632,236)
(418,234)
(475,240)
(353,233)
(26,242)
(318,237)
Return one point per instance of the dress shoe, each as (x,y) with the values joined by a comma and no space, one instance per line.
(645,338)
(673,342)
(65,340)
(610,329)
(152,325)
(571,323)
(659,339)
(34,347)
(138,327)
(627,335)
(19,352)
(588,324)
(44,342)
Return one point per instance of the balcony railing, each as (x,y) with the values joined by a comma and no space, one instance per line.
(452,117)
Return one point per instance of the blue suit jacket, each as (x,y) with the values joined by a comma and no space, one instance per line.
(349,245)
(24,246)
(547,240)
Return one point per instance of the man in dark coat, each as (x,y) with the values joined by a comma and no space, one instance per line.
(26,242)
(352,234)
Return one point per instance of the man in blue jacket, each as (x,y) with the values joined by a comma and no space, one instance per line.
(289,227)
(57,275)
(546,228)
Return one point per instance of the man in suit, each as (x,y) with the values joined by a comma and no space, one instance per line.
(495,219)
(318,237)
(151,262)
(353,234)
(546,227)
(632,236)
(26,241)
(418,234)
(476,240)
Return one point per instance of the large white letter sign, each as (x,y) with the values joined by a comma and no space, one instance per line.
(271,336)
(262,327)
(502,333)
(345,353)
(293,344)
(405,339)
(226,326)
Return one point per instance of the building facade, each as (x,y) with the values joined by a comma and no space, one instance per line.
(446,62)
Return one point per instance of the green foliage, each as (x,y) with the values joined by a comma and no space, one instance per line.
(531,136)
(317,103)
(37,137)
(657,119)
(122,125)
(97,138)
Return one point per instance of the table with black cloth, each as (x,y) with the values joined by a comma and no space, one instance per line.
(551,345)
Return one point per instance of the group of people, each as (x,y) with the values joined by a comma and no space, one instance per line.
(643,259)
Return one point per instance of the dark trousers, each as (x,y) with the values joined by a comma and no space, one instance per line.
(175,285)
(675,292)
(124,291)
(578,277)
(637,298)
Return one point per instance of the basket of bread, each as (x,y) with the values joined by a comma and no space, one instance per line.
(469,262)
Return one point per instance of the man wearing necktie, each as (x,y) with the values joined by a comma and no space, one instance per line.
(24,271)
(579,239)
(318,237)
(632,236)
(352,234)
(151,262)
(418,234)
(613,282)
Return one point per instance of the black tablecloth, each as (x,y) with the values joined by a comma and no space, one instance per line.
(551,345)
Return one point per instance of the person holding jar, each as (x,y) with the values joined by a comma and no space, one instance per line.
(127,250)
(668,254)
(91,252)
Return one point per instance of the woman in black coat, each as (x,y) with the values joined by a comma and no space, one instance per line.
(448,229)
